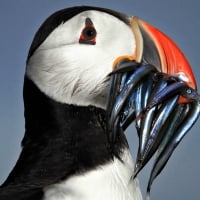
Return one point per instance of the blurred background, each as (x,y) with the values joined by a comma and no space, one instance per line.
(19,20)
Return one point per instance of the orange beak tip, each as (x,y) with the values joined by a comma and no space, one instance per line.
(161,51)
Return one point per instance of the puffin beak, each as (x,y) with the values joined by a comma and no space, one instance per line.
(155,87)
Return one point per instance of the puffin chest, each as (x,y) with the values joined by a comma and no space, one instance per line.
(112,181)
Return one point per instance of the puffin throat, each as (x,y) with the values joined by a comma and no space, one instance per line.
(72,138)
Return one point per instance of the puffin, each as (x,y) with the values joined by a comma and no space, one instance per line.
(66,153)
(74,146)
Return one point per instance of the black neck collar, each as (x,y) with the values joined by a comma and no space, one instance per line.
(61,140)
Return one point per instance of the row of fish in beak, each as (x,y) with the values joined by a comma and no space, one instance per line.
(142,94)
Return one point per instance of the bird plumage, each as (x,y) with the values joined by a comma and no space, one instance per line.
(66,150)
(61,141)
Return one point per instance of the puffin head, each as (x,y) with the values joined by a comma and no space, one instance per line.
(75,49)
(73,52)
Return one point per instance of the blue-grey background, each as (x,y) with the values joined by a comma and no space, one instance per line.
(20,19)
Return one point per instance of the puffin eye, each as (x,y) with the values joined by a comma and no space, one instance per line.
(88,34)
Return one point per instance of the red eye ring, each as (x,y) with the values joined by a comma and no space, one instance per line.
(88,35)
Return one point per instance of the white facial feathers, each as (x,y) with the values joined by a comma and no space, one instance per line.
(75,73)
